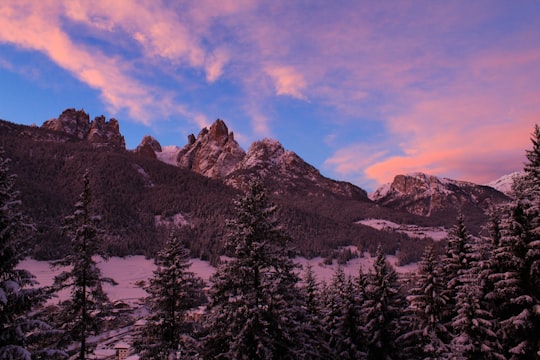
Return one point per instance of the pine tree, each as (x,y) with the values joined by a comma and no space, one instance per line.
(342,317)
(255,302)
(81,315)
(173,290)
(454,260)
(383,309)
(531,202)
(314,328)
(473,325)
(426,337)
(515,269)
(21,334)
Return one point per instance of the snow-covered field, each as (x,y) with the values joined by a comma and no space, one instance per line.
(131,271)
(436,234)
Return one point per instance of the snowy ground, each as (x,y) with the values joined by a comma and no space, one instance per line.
(435,233)
(131,271)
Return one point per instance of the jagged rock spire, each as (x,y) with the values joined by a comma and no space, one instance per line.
(214,153)
(99,131)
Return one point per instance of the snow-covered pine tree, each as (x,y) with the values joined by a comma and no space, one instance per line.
(427,335)
(317,346)
(342,317)
(473,325)
(515,274)
(172,291)
(454,260)
(255,301)
(21,334)
(81,315)
(383,306)
(531,200)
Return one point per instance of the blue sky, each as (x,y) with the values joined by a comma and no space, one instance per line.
(362,90)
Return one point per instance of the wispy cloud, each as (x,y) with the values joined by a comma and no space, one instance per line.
(444,80)
(39,26)
(287,81)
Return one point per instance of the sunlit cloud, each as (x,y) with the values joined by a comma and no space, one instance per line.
(353,159)
(452,93)
(259,121)
(287,81)
(38,27)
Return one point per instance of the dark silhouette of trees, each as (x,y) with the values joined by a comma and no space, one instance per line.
(81,314)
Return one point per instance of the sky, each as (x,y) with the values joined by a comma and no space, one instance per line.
(362,90)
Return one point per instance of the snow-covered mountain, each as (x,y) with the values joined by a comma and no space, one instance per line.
(504,183)
(429,195)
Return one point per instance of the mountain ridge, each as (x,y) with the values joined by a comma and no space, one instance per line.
(141,194)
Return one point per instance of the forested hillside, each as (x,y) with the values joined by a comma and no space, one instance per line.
(131,191)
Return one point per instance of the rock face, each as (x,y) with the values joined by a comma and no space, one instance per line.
(99,132)
(214,153)
(284,172)
(72,122)
(427,195)
(148,147)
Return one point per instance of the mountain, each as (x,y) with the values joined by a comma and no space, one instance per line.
(286,174)
(149,147)
(214,153)
(140,196)
(142,193)
(504,183)
(431,196)
(99,132)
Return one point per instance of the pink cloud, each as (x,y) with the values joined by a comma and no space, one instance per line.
(287,81)
(475,138)
(450,104)
(36,26)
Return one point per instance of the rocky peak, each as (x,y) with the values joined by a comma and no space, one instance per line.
(266,152)
(219,132)
(214,153)
(425,195)
(285,172)
(152,143)
(148,147)
(72,122)
(99,131)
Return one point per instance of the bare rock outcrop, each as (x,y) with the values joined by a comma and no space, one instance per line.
(214,153)
(99,132)
(148,147)
(427,195)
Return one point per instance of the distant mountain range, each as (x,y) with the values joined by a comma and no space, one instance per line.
(143,192)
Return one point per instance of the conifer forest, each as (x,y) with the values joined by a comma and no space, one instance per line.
(476,298)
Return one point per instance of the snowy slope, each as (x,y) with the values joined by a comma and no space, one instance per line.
(504,183)
(169,154)
(435,233)
(131,271)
